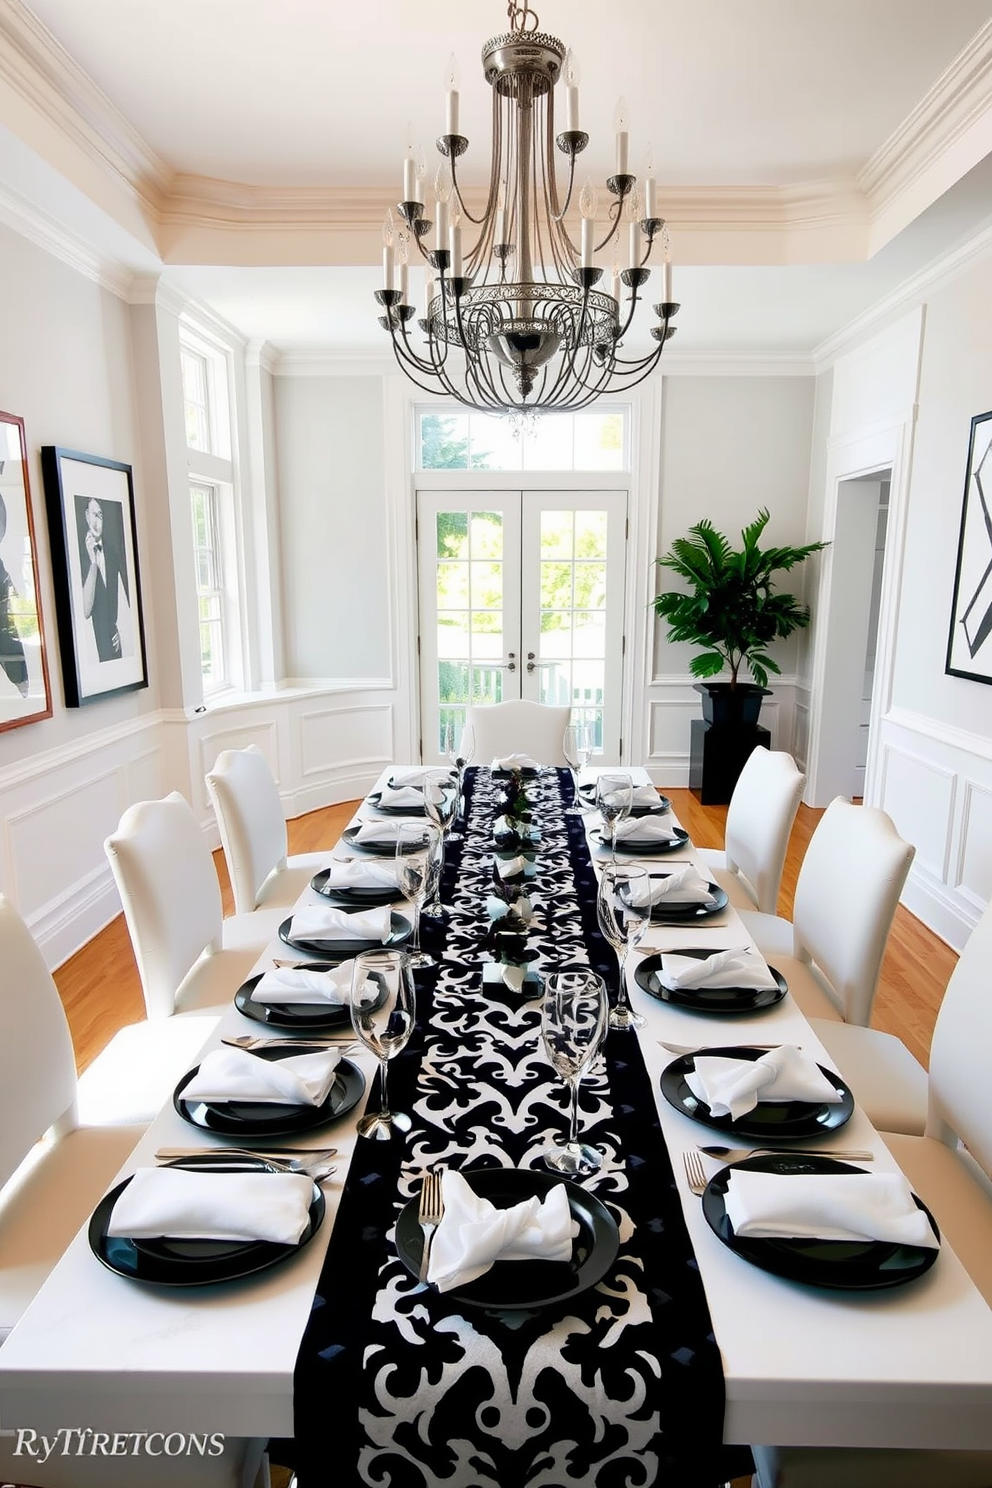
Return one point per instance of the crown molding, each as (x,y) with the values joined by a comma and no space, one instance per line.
(756,363)
(39,69)
(907,294)
(958,104)
(261,354)
(31,223)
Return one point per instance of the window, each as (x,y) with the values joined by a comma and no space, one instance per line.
(207,412)
(209,586)
(454,439)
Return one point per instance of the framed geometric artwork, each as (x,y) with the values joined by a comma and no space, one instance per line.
(25,695)
(969,645)
(94,542)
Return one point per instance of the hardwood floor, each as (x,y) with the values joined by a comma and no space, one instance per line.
(101,991)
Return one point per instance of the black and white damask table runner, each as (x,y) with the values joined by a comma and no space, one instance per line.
(619,1388)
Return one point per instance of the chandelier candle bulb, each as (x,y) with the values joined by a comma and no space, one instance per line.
(388,233)
(620,124)
(429,293)
(456,251)
(651,198)
(634,246)
(409,179)
(571,92)
(616,283)
(666,282)
(451,112)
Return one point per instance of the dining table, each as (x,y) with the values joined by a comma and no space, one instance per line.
(678,1350)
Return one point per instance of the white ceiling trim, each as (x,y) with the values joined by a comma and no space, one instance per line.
(911,292)
(937,130)
(30,222)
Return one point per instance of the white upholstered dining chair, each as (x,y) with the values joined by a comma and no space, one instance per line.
(831,952)
(189,956)
(253,833)
(519,727)
(950,1167)
(759,821)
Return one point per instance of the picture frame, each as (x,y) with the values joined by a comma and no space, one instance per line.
(969,643)
(25,692)
(93,534)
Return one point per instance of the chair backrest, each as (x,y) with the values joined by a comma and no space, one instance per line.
(960,1089)
(168,886)
(519,727)
(251,821)
(37,1067)
(846,898)
(759,821)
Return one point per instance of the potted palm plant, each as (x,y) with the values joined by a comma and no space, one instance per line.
(732,609)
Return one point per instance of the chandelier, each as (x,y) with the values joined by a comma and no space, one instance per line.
(514,323)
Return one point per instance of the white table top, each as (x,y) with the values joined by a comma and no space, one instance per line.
(910,1367)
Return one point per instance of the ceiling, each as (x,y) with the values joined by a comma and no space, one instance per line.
(812,156)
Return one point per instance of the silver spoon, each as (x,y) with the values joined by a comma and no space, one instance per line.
(738,1154)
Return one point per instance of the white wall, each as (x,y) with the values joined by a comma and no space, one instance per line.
(729,446)
(332,519)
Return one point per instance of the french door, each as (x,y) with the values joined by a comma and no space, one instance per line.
(521,595)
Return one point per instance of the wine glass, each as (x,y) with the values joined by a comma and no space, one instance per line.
(623,923)
(416,844)
(382,1010)
(455,758)
(614,795)
(576,746)
(573,1022)
(440,804)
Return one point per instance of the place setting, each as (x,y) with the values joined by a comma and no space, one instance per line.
(326,930)
(775,1095)
(270,1090)
(313,997)
(358,883)
(645,800)
(209,1218)
(706,979)
(678,896)
(376,838)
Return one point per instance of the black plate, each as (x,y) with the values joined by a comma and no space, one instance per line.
(193,1262)
(377,847)
(399,931)
(354,897)
(770,1121)
(268,1118)
(708,999)
(376,797)
(678,914)
(509,1285)
(642,849)
(310,1016)
(850,1265)
(664,805)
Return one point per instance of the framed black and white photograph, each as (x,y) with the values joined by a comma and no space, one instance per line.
(25,696)
(91,524)
(969,645)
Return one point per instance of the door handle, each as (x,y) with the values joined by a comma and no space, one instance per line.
(511,665)
(531,665)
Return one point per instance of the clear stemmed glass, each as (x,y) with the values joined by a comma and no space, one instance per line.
(623,924)
(416,844)
(573,1023)
(441,805)
(614,794)
(576,746)
(454,747)
(383,1002)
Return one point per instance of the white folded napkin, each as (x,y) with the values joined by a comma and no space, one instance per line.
(474,1233)
(732,1087)
(377,831)
(235,1075)
(683,886)
(415,777)
(645,795)
(732,968)
(188,1205)
(298,984)
(643,829)
(324,922)
(406,798)
(361,873)
(513,867)
(515,762)
(828,1206)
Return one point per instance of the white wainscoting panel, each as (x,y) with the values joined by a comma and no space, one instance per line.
(936,783)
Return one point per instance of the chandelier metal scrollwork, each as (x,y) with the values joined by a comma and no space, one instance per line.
(515,323)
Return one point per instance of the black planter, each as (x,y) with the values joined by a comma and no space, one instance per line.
(735,706)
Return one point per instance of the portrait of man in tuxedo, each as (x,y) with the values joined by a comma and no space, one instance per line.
(104,570)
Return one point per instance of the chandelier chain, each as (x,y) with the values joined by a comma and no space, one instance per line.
(523,20)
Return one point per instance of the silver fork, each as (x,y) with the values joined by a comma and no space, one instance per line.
(293,1160)
(429,1216)
(738,1154)
(245,1041)
(695,1176)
